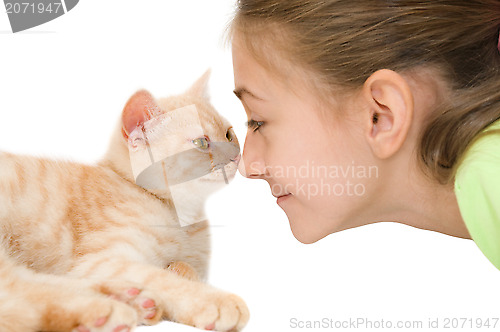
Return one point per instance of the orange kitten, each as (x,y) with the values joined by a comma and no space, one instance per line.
(84,248)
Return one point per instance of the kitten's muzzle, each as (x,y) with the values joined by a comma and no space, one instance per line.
(237,159)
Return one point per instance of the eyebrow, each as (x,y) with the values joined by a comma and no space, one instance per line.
(241,92)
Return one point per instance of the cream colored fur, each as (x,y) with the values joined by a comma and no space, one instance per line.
(83,248)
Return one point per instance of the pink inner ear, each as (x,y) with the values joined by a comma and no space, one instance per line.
(139,109)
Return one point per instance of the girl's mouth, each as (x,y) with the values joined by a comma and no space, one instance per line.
(282,198)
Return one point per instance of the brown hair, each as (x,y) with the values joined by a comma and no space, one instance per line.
(344,41)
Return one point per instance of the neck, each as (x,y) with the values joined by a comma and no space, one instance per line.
(412,198)
(117,157)
(117,160)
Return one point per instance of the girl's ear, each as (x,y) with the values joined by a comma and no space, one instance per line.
(140,108)
(390,112)
(200,87)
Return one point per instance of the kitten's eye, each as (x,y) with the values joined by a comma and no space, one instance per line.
(201,143)
(230,135)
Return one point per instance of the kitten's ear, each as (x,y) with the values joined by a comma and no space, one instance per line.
(200,87)
(140,108)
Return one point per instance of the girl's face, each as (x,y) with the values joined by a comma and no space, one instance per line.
(315,165)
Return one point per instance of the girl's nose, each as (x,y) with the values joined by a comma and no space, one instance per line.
(251,165)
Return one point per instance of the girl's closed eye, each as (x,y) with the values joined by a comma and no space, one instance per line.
(255,125)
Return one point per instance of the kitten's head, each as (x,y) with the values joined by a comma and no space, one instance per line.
(178,147)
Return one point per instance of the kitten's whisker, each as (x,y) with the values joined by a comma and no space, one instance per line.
(148,146)
(225,176)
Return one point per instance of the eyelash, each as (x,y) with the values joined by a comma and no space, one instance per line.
(255,125)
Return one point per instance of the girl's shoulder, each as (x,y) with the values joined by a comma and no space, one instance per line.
(485,148)
(477,188)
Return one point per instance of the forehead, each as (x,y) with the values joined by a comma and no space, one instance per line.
(250,77)
(189,111)
(211,121)
(263,71)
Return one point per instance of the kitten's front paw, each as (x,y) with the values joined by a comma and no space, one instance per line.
(106,315)
(215,310)
(143,301)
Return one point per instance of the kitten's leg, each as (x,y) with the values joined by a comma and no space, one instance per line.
(32,302)
(182,300)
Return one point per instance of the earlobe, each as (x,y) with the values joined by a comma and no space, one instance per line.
(389,102)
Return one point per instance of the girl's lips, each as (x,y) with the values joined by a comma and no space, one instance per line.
(282,198)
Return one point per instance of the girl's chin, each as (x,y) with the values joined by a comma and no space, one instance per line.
(304,232)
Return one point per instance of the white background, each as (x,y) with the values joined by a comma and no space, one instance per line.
(62,88)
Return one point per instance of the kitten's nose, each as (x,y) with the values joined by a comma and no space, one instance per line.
(237,159)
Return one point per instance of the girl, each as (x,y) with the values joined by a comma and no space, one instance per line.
(374,110)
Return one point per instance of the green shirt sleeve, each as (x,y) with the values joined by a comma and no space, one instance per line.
(477,188)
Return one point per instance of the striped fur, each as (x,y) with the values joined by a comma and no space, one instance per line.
(83,248)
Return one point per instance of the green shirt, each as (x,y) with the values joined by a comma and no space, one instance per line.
(477,188)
